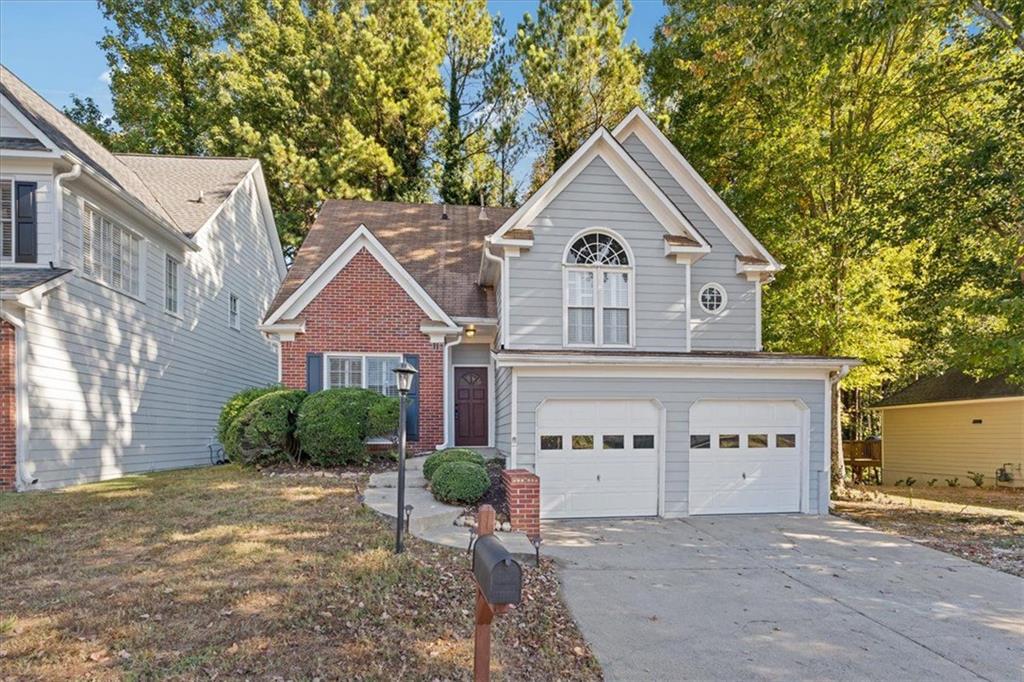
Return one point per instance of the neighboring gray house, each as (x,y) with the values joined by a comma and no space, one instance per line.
(131,288)
(606,335)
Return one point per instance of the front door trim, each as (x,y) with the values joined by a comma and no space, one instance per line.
(488,405)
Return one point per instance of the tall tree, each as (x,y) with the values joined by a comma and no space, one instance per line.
(86,113)
(578,73)
(338,101)
(477,83)
(803,119)
(160,57)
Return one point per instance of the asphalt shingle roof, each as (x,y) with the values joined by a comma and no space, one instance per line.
(443,256)
(14,281)
(952,386)
(177,182)
(167,185)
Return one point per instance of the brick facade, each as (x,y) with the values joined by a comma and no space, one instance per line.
(364,310)
(8,414)
(522,490)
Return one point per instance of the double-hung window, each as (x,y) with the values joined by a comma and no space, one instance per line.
(6,221)
(234,316)
(111,253)
(598,296)
(172,285)
(374,372)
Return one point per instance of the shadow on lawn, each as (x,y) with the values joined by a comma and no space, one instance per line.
(220,572)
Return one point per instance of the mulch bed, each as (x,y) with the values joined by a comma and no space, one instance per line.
(981,525)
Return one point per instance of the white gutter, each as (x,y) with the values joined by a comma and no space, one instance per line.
(610,358)
(76,170)
(446,383)
(166,227)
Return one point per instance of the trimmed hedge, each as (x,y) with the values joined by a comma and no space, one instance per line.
(333,424)
(264,433)
(460,482)
(382,419)
(450,455)
(233,407)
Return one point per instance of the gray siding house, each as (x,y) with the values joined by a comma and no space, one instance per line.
(605,335)
(131,289)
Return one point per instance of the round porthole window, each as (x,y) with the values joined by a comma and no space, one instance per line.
(712,298)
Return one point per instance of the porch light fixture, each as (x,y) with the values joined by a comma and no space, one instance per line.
(404,374)
(471,331)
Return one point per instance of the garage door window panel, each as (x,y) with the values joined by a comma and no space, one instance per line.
(700,441)
(757,440)
(785,440)
(582,442)
(550,442)
(728,440)
(643,442)
(613,442)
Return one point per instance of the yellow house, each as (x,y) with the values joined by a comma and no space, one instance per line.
(942,427)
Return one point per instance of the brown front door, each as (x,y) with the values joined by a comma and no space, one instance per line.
(471,406)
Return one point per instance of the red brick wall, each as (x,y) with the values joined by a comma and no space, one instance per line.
(522,490)
(364,310)
(8,415)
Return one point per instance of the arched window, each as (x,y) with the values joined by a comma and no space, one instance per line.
(598,296)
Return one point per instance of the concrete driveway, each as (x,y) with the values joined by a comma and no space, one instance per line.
(783,598)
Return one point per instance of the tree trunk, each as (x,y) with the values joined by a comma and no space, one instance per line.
(838,464)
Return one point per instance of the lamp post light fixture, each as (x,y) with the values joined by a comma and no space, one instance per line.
(404,375)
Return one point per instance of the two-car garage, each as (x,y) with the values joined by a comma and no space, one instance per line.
(606,457)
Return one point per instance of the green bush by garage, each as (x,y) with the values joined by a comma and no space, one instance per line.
(460,482)
(438,459)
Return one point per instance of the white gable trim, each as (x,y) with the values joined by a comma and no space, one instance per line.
(691,181)
(602,144)
(15,113)
(255,175)
(361,238)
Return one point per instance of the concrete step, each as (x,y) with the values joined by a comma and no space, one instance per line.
(426,513)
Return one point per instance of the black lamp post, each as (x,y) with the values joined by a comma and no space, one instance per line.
(404,375)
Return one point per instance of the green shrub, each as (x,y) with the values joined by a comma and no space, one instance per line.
(977,477)
(334,424)
(460,482)
(264,433)
(953,482)
(450,455)
(382,419)
(233,407)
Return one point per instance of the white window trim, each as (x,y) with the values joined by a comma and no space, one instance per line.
(180,299)
(362,357)
(87,206)
(14,222)
(725,298)
(235,323)
(598,271)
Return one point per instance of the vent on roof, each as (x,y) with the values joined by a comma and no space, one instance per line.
(202,197)
(444,211)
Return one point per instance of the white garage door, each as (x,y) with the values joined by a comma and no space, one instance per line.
(746,457)
(598,458)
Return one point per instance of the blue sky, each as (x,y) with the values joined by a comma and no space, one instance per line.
(52,44)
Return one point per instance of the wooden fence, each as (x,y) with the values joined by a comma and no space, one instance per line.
(863,454)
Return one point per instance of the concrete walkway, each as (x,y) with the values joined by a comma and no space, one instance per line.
(431,520)
(783,598)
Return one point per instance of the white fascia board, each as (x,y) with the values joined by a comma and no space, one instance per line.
(16,114)
(256,175)
(283,331)
(946,403)
(438,332)
(690,180)
(602,144)
(360,238)
(16,154)
(33,298)
(622,372)
(554,359)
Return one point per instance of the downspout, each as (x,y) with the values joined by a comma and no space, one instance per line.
(58,193)
(501,282)
(833,380)
(446,382)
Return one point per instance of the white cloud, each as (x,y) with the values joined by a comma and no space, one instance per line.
(105,77)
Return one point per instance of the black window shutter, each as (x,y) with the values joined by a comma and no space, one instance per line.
(412,414)
(314,372)
(25,232)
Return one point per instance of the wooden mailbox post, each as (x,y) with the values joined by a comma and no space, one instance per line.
(499,581)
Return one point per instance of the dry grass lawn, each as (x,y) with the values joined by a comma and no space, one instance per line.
(985,525)
(223,573)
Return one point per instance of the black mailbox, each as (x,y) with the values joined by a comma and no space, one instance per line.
(499,575)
